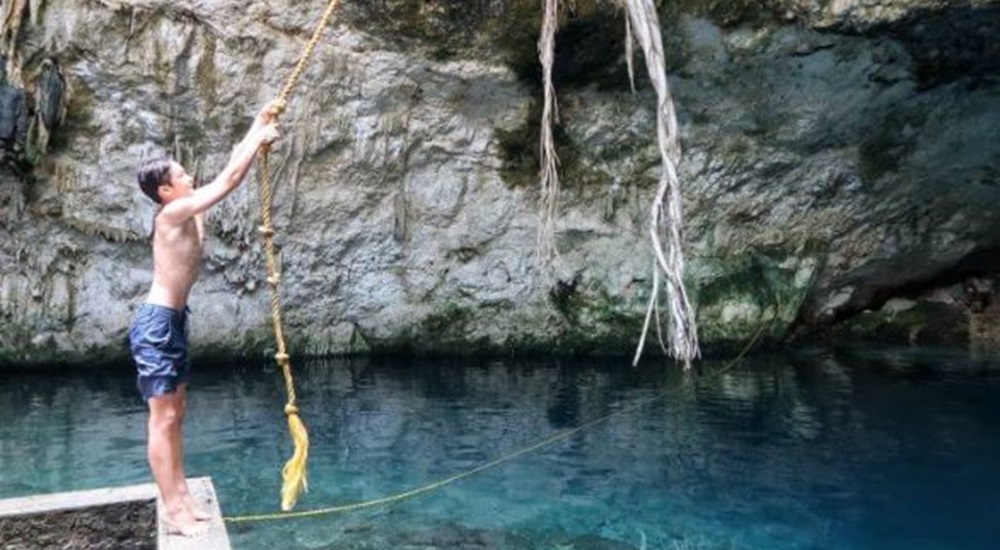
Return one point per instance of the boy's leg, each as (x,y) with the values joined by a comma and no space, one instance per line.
(180,478)
(165,459)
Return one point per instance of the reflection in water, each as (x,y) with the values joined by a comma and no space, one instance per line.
(860,449)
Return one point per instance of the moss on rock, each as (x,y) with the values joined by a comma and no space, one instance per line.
(753,293)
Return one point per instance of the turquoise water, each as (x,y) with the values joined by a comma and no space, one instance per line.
(848,450)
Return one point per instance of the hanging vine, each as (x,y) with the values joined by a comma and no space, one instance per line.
(666,214)
(549,169)
(642,26)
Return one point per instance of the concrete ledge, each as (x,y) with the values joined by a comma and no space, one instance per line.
(215,539)
(121,518)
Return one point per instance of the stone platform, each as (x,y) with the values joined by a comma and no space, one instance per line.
(122,518)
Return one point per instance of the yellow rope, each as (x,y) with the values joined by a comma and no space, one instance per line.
(448,480)
(300,67)
(294,473)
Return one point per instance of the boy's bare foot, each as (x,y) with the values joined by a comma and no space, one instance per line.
(195,512)
(199,514)
(189,527)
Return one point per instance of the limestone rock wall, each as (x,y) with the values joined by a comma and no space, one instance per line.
(838,155)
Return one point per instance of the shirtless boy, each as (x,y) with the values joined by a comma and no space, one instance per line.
(159,333)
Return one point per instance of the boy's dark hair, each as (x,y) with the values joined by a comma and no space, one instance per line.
(152,174)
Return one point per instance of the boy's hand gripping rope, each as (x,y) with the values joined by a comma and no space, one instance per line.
(294,473)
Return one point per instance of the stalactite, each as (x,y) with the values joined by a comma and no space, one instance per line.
(52,96)
(35,10)
(10,29)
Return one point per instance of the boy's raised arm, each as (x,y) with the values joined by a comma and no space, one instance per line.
(264,131)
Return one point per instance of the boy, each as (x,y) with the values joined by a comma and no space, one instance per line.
(159,333)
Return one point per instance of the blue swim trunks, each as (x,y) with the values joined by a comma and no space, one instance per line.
(159,343)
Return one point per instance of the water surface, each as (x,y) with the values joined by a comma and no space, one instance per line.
(814,449)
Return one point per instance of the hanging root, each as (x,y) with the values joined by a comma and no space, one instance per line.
(548,171)
(294,473)
(666,217)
